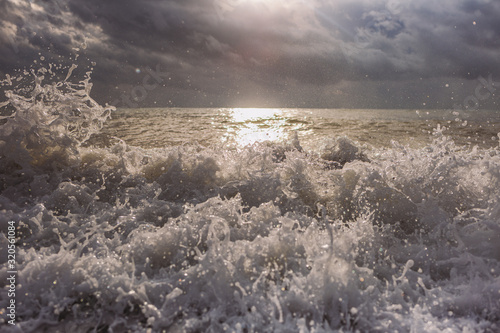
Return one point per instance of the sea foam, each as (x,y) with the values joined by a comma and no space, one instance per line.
(262,238)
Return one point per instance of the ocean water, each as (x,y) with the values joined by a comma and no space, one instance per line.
(230,127)
(247,220)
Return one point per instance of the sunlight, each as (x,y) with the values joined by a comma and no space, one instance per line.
(246,114)
(251,125)
(226,7)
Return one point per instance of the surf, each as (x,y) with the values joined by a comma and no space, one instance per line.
(265,237)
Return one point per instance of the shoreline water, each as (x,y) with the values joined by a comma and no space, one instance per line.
(254,229)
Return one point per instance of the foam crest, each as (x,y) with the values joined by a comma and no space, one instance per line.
(48,121)
(262,238)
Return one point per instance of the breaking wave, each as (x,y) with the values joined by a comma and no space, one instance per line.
(264,238)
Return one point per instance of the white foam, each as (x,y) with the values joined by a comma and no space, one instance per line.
(245,239)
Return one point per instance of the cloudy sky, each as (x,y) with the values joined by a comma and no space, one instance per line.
(265,53)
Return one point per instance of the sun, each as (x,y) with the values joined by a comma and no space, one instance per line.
(224,7)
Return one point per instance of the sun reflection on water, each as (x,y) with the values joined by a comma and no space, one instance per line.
(250,125)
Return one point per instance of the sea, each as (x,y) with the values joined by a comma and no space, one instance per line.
(245,219)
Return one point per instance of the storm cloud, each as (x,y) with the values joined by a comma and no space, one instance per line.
(319,53)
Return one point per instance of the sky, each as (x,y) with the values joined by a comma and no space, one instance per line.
(265,53)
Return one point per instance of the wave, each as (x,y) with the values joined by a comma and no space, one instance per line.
(264,238)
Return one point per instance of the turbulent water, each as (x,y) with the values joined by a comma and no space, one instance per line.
(230,220)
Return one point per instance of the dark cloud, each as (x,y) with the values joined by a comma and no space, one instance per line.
(384,53)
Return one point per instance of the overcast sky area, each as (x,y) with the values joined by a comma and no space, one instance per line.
(266,53)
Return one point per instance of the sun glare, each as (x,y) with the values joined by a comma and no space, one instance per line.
(251,125)
(246,126)
(246,114)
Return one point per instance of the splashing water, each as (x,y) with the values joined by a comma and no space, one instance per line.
(263,238)
(48,123)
